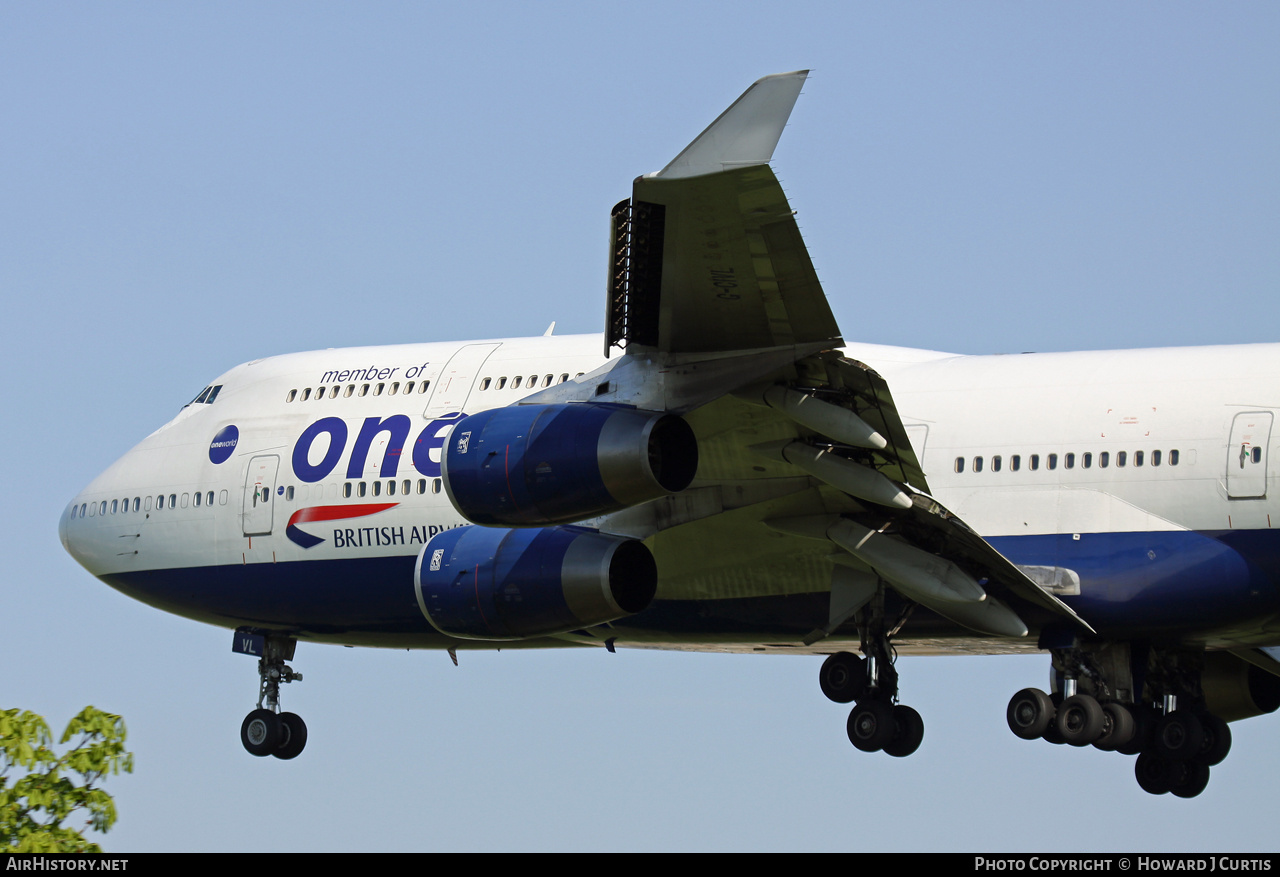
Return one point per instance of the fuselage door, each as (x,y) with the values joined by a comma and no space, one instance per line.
(1247,455)
(450,390)
(259,494)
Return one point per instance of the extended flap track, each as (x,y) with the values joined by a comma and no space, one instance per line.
(635,274)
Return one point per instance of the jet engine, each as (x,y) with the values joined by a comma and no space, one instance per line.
(532,465)
(1235,689)
(497,584)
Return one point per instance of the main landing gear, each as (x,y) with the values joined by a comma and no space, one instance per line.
(1162,719)
(266,730)
(877,722)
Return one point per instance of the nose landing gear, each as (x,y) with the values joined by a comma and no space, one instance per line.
(266,730)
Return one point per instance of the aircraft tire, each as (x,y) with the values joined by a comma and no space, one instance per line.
(1051,733)
(1120,728)
(260,732)
(843,677)
(1179,736)
(1081,720)
(871,725)
(908,732)
(293,736)
(1217,740)
(1155,775)
(1193,781)
(1030,713)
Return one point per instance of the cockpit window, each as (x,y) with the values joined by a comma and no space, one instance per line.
(206,397)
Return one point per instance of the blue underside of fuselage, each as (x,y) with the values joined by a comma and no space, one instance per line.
(1132,584)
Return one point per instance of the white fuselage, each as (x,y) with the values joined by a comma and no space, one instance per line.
(1022,447)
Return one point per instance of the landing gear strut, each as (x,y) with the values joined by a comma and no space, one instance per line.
(877,722)
(1153,708)
(266,730)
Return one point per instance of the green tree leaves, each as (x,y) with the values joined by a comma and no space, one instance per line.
(39,789)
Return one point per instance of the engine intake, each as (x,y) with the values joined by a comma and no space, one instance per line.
(532,465)
(496,584)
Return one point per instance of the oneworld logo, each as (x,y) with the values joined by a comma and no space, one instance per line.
(224,444)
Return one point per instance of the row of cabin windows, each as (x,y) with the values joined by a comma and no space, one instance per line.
(1122,458)
(390,487)
(365,390)
(393,387)
(529,384)
(146,504)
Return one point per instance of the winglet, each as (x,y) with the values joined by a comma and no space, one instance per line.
(745,134)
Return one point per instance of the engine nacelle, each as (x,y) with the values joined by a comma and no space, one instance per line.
(1234,689)
(494,584)
(531,465)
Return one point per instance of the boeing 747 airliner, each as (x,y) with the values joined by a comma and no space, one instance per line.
(721,471)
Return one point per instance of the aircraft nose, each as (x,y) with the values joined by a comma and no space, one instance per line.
(62,531)
(75,540)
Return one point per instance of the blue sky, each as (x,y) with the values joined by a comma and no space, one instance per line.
(188,186)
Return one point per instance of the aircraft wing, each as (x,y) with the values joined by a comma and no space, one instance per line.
(807,480)
(706,255)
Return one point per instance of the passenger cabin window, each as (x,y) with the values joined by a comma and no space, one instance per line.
(1121,458)
(293,394)
(977,464)
(1069,461)
(515,382)
(1035,462)
(422,388)
(1086,460)
(1137,458)
(1104,459)
(959,464)
(306,394)
(1173,458)
(484,384)
(1155,458)
(996,463)
(319,393)
(1015,462)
